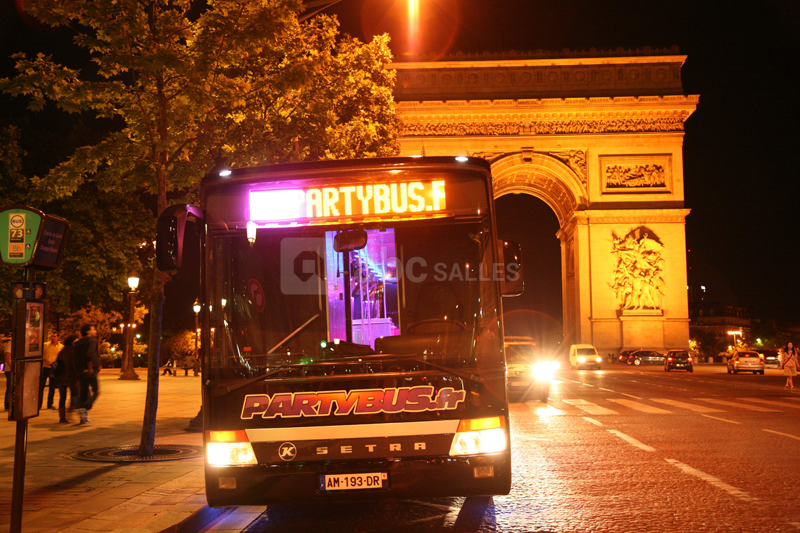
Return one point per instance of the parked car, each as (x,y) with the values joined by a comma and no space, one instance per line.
(623,356)
(529,371)
(584,355)
(745,361)
(645,357)
(772,358)
(676,359)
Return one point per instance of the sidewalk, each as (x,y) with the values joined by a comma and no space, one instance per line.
(66,494)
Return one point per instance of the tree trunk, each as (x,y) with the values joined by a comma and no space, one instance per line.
(147,444)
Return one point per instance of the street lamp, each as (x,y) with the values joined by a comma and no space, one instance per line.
(734,333)
(127,360)
(196,308)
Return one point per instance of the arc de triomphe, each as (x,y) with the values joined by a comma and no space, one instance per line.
(598,136)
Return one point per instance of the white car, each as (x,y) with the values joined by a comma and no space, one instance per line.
(584,356)
(742,361)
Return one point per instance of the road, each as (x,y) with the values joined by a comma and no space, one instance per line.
(624,449)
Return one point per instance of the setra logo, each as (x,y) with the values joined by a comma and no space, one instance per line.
(287,451)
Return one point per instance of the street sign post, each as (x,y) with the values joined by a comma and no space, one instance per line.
(35,241)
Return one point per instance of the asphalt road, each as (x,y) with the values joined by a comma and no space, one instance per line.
(624,449)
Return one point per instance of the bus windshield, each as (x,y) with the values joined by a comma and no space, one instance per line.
(424,288)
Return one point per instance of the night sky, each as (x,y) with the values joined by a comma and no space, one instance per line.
(740,146)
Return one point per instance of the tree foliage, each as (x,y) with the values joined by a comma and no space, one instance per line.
(188,82)
(243,80)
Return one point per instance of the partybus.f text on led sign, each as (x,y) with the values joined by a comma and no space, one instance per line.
(319,203)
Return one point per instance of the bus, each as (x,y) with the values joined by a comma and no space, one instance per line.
(352,339)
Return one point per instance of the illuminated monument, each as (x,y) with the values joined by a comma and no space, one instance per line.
(598,136)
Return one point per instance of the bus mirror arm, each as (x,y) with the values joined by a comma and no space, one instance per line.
(170,230)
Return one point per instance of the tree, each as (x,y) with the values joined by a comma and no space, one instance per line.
(192,82)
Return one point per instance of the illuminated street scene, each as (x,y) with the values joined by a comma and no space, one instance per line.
(398,265)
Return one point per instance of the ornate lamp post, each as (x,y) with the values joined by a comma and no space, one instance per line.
(196,308)
(127,361)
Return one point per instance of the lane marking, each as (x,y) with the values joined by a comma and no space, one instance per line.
(586,384)
(721,419)
(434,505)
(640,406)
(690,406)
(548,410)
(784,434)
(589,407)
(742,405)
(608,390)
(631,440)
(770,402)
(730,489)
(592,420)
(631,395)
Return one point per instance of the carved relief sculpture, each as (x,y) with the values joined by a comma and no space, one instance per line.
(543,127)
(638,273)
(576,159)
(635,176)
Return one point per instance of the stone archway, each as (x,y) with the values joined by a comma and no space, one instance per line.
(562,188)
(599,139)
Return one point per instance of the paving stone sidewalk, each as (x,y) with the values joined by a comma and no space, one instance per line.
(70,495)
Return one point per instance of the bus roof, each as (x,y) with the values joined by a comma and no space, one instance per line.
(269,173)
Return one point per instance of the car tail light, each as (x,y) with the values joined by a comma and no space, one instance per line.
(761,361)
(690,359)
(228,448)
(669,358)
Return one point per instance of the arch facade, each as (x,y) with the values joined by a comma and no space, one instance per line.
(605,155)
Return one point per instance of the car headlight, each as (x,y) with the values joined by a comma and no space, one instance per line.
(229,448)
(581,359)
(545,371)
(479,436)
(599,359)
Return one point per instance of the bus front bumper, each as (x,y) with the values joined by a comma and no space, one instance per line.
(418,477)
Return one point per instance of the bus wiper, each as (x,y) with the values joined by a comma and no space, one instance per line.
(292,334)
(223,391)
(469,376)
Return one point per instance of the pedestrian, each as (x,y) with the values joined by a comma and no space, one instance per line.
(168,366)
(66,378)
(51,350)
(88,362)
(196,367)
(7,372)
(789,364)
(188,363)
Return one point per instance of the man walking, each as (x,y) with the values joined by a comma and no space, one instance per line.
(88,361)
(51,350)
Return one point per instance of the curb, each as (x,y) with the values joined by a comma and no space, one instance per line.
(197,520)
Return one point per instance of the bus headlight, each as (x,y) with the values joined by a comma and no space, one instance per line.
(479,436)
(229,448)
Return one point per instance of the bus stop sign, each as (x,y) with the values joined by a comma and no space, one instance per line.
(29,237)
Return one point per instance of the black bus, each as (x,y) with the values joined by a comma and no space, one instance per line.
(352,341)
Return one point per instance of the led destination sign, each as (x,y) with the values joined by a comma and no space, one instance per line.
(407,198)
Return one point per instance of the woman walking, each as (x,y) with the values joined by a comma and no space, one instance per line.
(66,378)
(789,364)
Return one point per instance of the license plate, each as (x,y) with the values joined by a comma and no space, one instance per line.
(375,480)
(680,364)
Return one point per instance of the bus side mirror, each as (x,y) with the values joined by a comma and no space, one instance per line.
(514,282)
(350,240)
(170,228)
